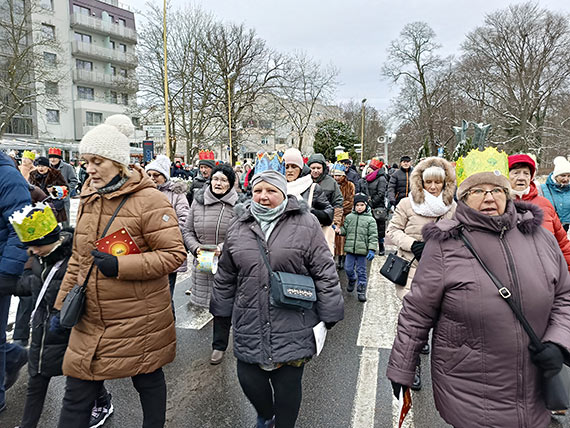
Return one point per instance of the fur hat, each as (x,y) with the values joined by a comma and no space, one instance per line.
(228,171)
(42,160)
(293,156)
(561,166)
(360,197)
(523,159)
(160,164)
(110,140)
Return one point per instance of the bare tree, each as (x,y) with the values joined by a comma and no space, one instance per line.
(29,68)
(304,84)
(514,67)
(374,126)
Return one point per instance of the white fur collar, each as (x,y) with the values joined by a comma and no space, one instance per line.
(431,207)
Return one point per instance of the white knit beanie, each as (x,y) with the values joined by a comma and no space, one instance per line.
(561,166)
(110,140)
(160,164)
(293,156)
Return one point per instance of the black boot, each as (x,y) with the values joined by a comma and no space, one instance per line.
(350,286)
(417,385)
(341,261)
(381,250)
(361,290)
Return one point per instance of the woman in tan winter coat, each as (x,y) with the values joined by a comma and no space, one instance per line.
(431,199)
(127,328)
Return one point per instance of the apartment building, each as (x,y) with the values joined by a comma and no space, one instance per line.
(96,61)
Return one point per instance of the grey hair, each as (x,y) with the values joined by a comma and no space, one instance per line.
(433,173)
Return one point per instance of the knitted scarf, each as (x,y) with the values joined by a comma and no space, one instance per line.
(432,207)
(267,217)
(299,186)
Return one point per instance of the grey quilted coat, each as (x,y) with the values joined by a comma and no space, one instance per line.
(264,334)
(481,368)
(206,224)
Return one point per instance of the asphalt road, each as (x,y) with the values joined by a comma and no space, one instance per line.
(343,387)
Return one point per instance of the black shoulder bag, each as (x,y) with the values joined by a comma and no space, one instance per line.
(556,389)
(289,290)
(74,303)
(396,269)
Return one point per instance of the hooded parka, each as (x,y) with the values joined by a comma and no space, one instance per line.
(406,225)
(127,327)
(559,197)
(481,369)
(264,334)
(399,185)
(207,224)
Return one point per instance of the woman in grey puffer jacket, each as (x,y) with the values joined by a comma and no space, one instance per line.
(272,344)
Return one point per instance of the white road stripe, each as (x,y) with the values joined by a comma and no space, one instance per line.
(365,399)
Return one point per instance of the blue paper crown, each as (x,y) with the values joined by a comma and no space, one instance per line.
(266,161)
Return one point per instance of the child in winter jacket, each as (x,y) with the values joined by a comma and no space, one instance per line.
(361,243)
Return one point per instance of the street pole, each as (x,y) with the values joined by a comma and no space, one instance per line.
(362,133)
(230,120)
(166,120)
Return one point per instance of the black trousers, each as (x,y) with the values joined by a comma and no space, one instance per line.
(222,327)
(35,398)
(22,325)
(277,392)
(80,395)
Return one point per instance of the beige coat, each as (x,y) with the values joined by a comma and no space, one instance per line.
(127,327)
(406,226)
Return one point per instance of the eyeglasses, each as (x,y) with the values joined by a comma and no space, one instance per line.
(220,179)
(481,193)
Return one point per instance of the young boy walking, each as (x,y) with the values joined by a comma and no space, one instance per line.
(361,243)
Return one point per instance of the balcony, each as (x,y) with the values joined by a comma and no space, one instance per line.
(118,83)
(97,25)
(104,54)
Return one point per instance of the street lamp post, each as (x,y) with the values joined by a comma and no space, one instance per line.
(230,77)
(166,120)
(362,133)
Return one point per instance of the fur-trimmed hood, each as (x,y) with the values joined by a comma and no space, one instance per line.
(243,213)
(178,187)
(525,216)
(417,185)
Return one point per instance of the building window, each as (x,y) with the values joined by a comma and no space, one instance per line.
(113,70)
(93,119)
(52,116)
(282,141)
(85,38)
(84,93)
(81,10)
(51,88)
(265,141)
(114,98)
(250,123)
(122,22)
(266,124)
(125,99)
(50,58)
(123,47)
(19,125)
(83,65)
(124,72)
(48,31)
(47,4)
(112,44)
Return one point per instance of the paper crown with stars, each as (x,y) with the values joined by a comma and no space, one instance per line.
(33,222)
(272,161)
(489,166)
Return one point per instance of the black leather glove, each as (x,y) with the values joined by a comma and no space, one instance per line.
(418,248)
(396,387)
(321,216)
(8,284)
(330,325)
(107,263)
(550,359)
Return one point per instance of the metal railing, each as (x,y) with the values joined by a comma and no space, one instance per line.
(88,49)
(103,27)
(120,83)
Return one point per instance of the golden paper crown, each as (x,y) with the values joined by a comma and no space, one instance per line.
(29,155)
(342,156)
(488,160)
(33,222)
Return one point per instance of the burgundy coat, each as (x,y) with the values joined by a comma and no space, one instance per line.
(481,368)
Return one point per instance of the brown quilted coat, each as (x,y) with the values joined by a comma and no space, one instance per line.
(127,327)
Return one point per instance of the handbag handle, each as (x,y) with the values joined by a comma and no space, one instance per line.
(105,233)
(505,293)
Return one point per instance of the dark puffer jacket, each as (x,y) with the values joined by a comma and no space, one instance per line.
(376,189)
(264,334)
(328,184)
(47,347)
(399,185)
(481,367)
(197,184)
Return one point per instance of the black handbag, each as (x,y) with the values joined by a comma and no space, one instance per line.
(396,269)
(379,213)
(289,290)
(74,303)
(556,389)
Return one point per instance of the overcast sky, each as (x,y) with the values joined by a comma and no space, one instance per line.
(354,35)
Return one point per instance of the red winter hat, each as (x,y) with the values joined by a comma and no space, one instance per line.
(376,164)
(524,159)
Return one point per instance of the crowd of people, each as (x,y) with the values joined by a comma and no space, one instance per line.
(267,242)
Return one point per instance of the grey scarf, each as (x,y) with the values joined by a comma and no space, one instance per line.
(267,217)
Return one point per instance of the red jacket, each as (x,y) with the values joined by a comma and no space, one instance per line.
(550,221)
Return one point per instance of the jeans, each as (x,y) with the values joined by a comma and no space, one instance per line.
(81,394)
(222,327)
(22,326)
(35,398)
(9,353)
(349,266)
(277,392)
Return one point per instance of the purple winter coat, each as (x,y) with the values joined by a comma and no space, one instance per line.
(481,368)
(175,191)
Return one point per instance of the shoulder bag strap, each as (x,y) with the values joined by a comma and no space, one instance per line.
(311,194)
(506,295)
(264,255)
(105,233)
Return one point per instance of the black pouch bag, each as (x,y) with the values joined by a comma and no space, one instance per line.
(74,303)
(396,269)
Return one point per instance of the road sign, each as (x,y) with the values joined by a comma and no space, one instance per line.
(148,150)
(358,146)
(153,128)
(357,150)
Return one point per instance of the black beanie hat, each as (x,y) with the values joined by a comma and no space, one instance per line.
(42,160)
(228,171)
(360,197)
